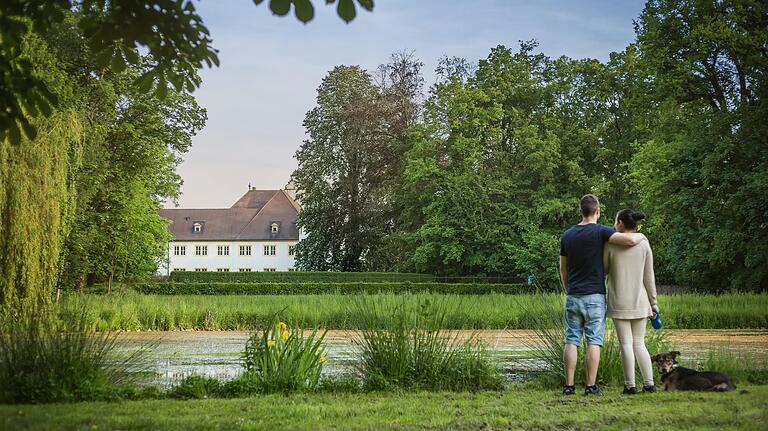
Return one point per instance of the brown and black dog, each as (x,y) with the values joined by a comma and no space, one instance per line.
(677,378)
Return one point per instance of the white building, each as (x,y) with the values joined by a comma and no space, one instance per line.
(257,233)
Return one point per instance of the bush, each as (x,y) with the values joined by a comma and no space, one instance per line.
(297,277)
(196,387)
(282,359)
(406,347)
(316,288)
(47,360)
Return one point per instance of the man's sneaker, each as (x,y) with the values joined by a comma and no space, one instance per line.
(630,390)
(593,390)
(650,389)
(569,390)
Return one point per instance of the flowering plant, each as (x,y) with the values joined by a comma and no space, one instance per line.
(282,358)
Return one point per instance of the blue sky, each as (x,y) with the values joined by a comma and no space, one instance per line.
(271,67)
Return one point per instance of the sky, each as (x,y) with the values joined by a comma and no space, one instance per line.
(271,67)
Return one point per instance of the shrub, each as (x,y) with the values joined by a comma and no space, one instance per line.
(298,277)
(47,360)
(282,359)
(196,387)
(318,288)
(406,347)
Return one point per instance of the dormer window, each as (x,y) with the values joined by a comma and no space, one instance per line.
(274,227)
(197,227)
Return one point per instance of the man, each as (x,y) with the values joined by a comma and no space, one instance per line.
(581,270)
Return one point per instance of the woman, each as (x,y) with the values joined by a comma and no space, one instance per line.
(631,289)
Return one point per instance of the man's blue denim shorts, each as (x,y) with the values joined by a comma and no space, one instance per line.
(585,317)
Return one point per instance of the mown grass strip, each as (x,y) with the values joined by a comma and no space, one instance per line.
(517,408)
(133,311)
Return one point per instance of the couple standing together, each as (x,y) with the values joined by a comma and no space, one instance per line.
(593,256)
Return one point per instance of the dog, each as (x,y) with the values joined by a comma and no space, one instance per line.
(677,378)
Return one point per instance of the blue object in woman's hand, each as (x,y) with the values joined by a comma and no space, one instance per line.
(656,320)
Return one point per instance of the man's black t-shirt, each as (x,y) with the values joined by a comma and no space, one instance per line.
(583,246)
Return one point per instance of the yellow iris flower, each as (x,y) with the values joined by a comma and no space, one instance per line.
(282,326)
(270,343)
(284,335)
(323,359)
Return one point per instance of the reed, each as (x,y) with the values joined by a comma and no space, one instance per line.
(43,359)
(404,345)
(133,311)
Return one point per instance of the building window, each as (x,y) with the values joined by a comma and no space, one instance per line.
(245,250)
(270,269)
(222,269)
(179,250)
(291,269)
(201,269)
(197,227)
(244,269)
(223,250)
(291,250)
(270,250)
(275,227)
(201,250)
(179,269)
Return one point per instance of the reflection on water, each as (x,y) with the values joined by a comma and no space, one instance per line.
(217,354)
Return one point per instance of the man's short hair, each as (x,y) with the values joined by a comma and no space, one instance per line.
(589,205)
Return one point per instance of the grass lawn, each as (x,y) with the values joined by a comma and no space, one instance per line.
(512,409)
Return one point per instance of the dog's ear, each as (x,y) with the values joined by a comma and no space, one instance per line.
(655,358)
(674,354)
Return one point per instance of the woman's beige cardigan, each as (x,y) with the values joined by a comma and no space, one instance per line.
(630,283)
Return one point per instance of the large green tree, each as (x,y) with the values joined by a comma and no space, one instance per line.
(703,172)
(350,165)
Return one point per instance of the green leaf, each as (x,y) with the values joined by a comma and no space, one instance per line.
(117,64)
(366,4)
(280,7)
(304,10)
(346,10)
(144,82)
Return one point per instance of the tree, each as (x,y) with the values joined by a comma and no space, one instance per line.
(703,171)
(348,168)
(171,31)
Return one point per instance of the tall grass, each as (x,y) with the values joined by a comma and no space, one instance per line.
(547,347)
(43,359)
(132,311)
(404,345)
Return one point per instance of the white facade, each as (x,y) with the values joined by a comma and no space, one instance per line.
(226,256)
(256,234)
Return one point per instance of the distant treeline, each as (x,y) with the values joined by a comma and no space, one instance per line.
(482,175)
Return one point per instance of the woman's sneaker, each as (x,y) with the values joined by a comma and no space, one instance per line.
(569,390)
(630,390)
(593,390)
(650,389)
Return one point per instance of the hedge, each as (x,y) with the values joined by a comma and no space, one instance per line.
(298,276)
(316,288)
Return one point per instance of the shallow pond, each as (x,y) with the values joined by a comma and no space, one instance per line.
(175,355)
